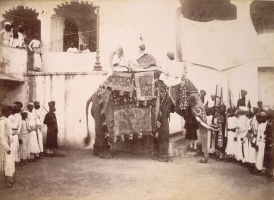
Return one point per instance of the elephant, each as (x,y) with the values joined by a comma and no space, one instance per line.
(118,107)
(102,111)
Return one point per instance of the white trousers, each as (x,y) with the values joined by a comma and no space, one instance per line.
(240,156)
(40,139)
(260,156)
(246,150)
(15,148)
(251,153)
(9,164)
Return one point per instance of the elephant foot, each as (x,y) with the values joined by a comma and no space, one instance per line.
(105,154)
(204,160)
(164,159)
(95,151)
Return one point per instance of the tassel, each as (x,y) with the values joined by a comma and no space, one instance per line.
(122,138)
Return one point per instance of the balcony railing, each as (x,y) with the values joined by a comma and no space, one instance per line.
(68,62)
(13,60)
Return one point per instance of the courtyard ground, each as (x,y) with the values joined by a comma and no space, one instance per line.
(79,175)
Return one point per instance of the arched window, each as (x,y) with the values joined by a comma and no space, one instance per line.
(25,20)
(26,17)
(74,24)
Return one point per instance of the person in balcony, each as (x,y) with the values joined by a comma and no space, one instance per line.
(6,34)
(35,46)
(118,60)
(14,40)
(85,48)
(21,36)
(72,48)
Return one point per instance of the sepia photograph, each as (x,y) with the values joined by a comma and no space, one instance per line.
(136,99)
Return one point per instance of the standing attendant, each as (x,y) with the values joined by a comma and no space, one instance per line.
(203,127)
(243,101)
(35,46)
(261,143)
(211,137)
(39,121)
(15,125)
(34,147)
(269,146)
(242,129)
(24,135)
(6,158)
(52,131)
(231,135)
(253,139)
(191,126)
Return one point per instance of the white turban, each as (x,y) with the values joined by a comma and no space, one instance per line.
(30,104)
(7,23)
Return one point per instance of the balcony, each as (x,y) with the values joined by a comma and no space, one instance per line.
(68,62)
(13,60)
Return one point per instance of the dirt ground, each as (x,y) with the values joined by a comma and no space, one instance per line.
(79,175)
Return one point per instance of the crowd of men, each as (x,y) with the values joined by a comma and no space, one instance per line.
(13,37)
(245,135)
(21,138)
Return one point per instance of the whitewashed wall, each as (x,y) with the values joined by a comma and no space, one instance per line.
(70,92)
(266,86)
(244,77)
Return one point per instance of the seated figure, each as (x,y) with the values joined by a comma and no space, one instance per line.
(144,61)
(171,71)
(72,49)
(118,60)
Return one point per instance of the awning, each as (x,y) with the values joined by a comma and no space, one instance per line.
(7,77)
(223,44)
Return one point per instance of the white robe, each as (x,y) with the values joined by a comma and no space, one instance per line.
(34,147)
(261,144)
(39,123)
(231,144)
(172,73)
(242,145)
(6,160)
(14,122)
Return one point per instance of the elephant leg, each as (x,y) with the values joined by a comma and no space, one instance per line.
(162,142)
(100,147)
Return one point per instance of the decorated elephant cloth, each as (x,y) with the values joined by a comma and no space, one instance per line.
(146,60)
(180,95)
(130,104)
